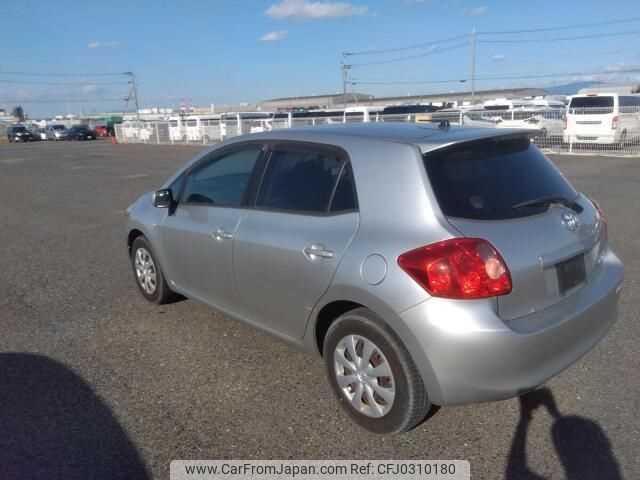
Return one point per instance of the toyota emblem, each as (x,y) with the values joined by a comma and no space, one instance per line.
(570,220)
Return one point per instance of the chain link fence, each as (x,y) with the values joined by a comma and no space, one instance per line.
(585,130)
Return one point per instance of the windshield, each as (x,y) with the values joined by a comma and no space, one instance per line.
(482,180)
(58,127)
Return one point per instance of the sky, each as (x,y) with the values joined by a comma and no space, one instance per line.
(229,51)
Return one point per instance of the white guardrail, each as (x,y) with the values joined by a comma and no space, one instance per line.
(555,130)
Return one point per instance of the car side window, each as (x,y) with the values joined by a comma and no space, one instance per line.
(344,198)
(299,180)
(221,180)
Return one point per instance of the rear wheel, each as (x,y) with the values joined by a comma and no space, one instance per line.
(373,375)
(623,139)
(148,274)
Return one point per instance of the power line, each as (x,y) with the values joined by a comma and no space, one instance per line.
(565,27)
(412,57)
(558,39)
(32,82)
(40,74)
(408,47)
(60,100)
(510,32)
(409,82)
(497,77)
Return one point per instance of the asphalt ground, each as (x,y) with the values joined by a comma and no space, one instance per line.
(97,383)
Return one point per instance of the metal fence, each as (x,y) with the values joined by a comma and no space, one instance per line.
(610,131)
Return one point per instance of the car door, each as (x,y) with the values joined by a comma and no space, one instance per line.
(289,245)
(198,236)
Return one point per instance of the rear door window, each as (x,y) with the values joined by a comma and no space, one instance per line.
(299,179)
(483,180)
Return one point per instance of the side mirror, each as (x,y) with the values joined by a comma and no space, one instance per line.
(163,198)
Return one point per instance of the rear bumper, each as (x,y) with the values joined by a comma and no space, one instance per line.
(605,139)
(477,357)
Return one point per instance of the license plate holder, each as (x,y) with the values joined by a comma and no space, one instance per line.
(571,273)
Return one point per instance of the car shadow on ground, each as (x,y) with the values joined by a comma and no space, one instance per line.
(580,443)
(53,426)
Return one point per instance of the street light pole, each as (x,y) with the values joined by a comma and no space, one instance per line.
(344,66)
(473,65)
(134,87)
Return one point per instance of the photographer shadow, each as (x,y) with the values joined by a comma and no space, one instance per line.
(53,426)
(582,446)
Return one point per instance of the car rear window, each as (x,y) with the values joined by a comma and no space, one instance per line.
(483,180)
(591,102)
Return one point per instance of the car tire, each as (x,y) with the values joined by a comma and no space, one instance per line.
(148,275)
(623,139)
(376,401)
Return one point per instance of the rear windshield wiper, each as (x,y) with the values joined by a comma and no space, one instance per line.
(549,200)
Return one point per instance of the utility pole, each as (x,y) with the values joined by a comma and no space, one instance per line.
(344,66)
(473,64)
(134,89)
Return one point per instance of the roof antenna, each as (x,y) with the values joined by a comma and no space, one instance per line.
(444,124)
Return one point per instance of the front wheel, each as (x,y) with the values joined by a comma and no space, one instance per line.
(373,375)
(148,274)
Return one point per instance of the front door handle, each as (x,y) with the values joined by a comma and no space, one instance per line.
(317,251)
(221,235)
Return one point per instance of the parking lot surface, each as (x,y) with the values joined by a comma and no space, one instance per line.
(91,373)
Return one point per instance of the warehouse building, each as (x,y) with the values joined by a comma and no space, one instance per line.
(338,100)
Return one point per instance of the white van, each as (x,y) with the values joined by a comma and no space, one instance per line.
(602,118)
(361,114)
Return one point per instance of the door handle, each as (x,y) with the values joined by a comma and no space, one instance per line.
(221,235)
(316,251)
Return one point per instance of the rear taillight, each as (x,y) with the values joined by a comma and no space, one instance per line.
(463,268)
(614,123)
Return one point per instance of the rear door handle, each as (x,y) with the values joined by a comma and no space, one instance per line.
(317,251)
(221,235)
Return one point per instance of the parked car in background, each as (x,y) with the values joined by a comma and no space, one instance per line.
(427,265)
(20,133)
(80,132)
(42,134)
(101,131)
(606,118)
(56,132)
(544,124)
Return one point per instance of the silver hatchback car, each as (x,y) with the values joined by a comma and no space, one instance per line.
(426,265)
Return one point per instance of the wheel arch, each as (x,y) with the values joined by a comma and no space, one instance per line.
(132,235)
(341,299)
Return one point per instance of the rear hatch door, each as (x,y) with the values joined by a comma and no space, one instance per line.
(506,191)
(591,117)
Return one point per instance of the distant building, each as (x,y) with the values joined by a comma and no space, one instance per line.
(337,101)
(619,89)
(6,117)
(315,101)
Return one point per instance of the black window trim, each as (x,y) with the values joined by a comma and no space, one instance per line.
(346,167)
(216,155)
(306,146)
